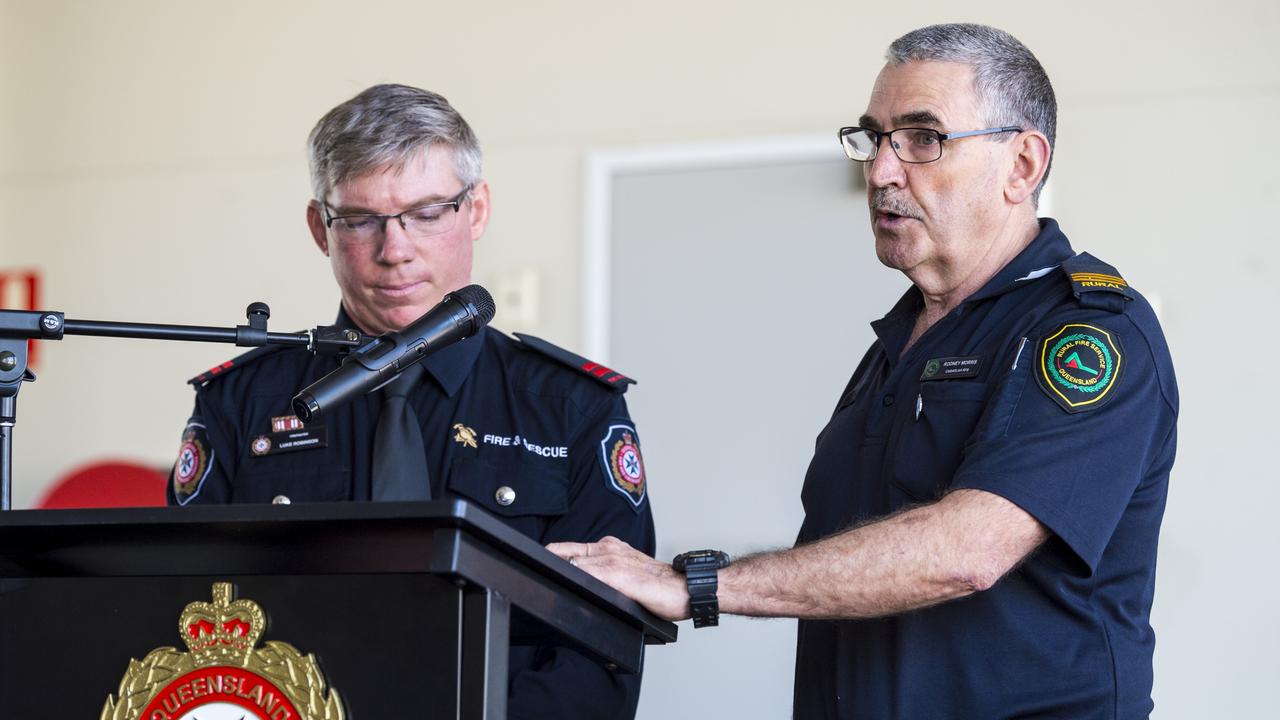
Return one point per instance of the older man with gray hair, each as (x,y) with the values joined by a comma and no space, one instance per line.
(982,508)
(517,426)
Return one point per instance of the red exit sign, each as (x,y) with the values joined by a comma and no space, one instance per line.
(20,290)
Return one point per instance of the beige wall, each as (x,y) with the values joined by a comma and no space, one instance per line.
(151,163)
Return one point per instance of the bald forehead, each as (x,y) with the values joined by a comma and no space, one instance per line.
(931,94)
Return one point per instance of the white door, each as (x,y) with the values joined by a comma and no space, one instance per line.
(740,298)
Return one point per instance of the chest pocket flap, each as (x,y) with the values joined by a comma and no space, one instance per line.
(511,489)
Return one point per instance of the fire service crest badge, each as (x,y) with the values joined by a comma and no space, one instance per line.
(225,676)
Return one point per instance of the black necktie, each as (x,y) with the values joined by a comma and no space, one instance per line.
(399,455)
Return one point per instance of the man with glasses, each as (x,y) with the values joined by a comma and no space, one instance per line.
(982,508)
(525,430)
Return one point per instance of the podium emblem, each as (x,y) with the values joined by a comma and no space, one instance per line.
(225,675)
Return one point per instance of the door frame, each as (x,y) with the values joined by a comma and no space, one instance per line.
(601,167)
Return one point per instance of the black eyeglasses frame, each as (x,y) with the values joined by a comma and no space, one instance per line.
(877,135)
(456,201)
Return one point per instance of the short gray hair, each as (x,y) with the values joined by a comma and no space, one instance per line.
(1007,78)
(388,125)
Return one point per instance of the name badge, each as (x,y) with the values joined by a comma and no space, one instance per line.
(952,368)
(309,438)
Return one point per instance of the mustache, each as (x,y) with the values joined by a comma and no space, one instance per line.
(883,201)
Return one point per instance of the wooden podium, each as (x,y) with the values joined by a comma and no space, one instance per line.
(409,608)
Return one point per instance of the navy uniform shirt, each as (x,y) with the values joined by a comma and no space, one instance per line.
(495,412)
(1052,387)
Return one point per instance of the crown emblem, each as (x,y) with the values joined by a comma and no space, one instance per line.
(222,632)
(224,668)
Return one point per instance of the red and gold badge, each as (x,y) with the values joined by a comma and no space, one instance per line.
(261,445)
(623,465)
(224,676)
(192,465)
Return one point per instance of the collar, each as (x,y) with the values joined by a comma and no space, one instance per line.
(895,327)
(1045,253)
(450,365)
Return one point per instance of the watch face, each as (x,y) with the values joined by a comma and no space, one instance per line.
(702,558)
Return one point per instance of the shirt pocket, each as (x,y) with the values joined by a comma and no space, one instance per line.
(536,494)
(931,440)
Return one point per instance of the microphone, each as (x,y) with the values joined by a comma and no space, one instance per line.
(458,316)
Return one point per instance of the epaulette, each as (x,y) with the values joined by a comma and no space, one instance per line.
(238,361)
(612,378)
(1097,284)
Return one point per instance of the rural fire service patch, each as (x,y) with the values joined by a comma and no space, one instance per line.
(224,676)
(193,463)
(623,465)
(1079,366)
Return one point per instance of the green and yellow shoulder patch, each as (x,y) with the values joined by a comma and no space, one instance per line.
(1079,366)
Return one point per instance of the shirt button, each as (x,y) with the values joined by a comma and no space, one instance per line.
(888,400)
(281,500)
(505,496)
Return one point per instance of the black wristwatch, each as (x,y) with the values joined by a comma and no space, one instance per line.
(700,568)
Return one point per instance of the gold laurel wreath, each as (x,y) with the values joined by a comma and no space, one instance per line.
(298,677)
(143,680)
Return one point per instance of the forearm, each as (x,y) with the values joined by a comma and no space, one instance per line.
(934,553)
(959,545)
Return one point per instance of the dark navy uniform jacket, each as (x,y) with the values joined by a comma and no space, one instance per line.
(494,413)
(1051,386)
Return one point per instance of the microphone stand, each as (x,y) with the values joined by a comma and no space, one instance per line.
(17,327)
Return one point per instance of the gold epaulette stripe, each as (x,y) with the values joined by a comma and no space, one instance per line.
(1097,277)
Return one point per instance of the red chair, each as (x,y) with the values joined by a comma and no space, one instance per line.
(108,484)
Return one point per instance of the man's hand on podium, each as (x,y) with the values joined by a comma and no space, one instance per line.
(652,583)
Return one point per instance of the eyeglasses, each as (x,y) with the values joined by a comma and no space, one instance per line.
(911,145)
(419,222)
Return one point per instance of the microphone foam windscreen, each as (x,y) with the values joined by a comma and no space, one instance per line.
(479,298)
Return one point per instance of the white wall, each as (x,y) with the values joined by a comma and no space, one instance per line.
(151,163)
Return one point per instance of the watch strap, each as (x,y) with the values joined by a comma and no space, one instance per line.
(701,576)
(704,606)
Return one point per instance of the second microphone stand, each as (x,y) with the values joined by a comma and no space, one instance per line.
(17,327)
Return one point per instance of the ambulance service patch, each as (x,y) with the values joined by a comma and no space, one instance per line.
(1079,366)
(193,463)
(623,466)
